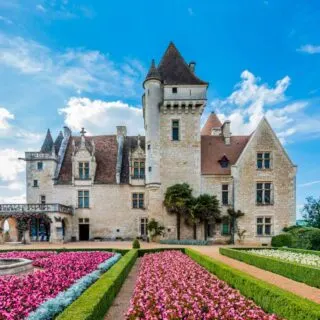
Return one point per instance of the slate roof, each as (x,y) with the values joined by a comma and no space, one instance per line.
(213,149)
(212,122)
(153,72)
(106,147)
(58,141)
(174,70)
(47,143)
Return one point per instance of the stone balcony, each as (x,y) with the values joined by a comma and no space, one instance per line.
(137,180)
(29,156)
(35,208)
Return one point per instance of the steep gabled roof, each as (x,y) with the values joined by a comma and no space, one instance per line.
(212,122)
(47,143)
(106,150)
(213,148)
(58,141)
(174,70)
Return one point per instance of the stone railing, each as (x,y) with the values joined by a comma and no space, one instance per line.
(39,156)
(35,208)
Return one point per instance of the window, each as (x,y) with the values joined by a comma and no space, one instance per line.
(43,199)
(264,226)
(137,200)
(84,170)
(150,169)
(149,146)
(83,199)
(263,160)
(40,165)
(143,227)
(35,183)
(225,194)
(138,169)
(175,130)
(264,193)
(174,90)
(225,228)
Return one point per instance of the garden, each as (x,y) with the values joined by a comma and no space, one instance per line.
(58,279)
(172,286)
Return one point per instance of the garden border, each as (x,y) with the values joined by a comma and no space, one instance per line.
(269,297)
(305,274)
(97,299)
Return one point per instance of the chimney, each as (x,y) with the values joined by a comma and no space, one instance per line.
(121,131)
(192,66)
(226,132)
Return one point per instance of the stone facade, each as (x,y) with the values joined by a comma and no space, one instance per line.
(103,178)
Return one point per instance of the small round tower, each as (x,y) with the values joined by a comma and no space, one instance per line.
(152,99)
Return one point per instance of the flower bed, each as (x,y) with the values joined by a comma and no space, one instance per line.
(296,257)
(20,295)
(172,286)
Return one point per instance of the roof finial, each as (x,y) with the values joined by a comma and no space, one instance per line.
(83,132)
(153,72)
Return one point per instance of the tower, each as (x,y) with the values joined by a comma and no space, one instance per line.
(173,101)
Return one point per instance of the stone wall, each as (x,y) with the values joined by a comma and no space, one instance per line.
(282,176)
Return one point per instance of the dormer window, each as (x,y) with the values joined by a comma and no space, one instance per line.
(224,162)
(174,90)
(84,170)
(138,169)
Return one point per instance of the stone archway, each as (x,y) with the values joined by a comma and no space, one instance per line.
(10,232)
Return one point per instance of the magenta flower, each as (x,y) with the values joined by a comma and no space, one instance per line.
(172,286)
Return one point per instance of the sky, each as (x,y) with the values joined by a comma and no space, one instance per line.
(81,64)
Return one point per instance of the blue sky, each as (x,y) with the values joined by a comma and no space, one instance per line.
(81,63)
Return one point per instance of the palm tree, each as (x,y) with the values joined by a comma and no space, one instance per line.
(234,215)
(177,201)
(207,209)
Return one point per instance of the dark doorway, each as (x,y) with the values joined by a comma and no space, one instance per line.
(83,232)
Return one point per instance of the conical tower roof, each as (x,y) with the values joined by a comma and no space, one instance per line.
(47,143)
(153,72)
(174,70)
(212,122)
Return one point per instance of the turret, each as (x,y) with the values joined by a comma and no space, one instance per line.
(153,97)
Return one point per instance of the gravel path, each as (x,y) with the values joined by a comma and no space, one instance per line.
(121,303)
(295,287)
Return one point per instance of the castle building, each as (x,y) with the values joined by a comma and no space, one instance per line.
(109,186)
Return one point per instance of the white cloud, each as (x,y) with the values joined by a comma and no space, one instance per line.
(251,100)
(41,8)
(11,166)
(6,20)
(13,199)
(311,183)
(101,117)
(309,48)
(5,115)
(77,69)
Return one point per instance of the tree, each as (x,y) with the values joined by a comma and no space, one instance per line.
(193,217)
(155,228)
(206,208)
(177,201)
(311,212)
(234,215)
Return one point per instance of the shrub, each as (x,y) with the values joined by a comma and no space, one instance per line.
(135,244)
(271,298)
(306,238)
(282,240)
(297,272)
(186,242)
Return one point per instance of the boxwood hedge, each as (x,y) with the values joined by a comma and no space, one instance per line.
(96,300)
(269,297)
(306,274)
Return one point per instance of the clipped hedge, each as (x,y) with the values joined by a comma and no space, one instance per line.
(294,271)
(96,300)
(269,297)
(282,240)
(142,252)
(314,252)
(186,242)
